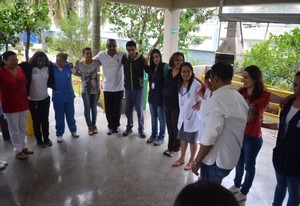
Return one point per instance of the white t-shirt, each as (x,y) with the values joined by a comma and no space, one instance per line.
(206,97)
(89,77)
(290,115)
(112,68)
(225,117)
(38,88)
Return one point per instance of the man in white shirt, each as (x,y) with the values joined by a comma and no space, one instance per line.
(225,118)
(113,83)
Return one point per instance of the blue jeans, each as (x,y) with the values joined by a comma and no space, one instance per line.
(293,186)
(90,105)
(134,99)
(157,112)
(247,161)
(213,173)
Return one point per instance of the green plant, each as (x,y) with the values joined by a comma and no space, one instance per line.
(278,58)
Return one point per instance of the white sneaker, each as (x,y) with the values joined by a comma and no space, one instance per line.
(3,162)
(240,197)
(233,189)
(75,135)
(2,166)
(59,139)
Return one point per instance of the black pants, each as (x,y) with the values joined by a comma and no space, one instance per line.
(172,120)
(113,108)
(4,128)
(40,117)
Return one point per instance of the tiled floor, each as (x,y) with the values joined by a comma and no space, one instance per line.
(109,170)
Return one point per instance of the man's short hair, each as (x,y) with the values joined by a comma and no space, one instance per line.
(111,40)
(222,70)
(131,43)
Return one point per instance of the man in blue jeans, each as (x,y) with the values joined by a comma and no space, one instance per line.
(225,117)
(134,66)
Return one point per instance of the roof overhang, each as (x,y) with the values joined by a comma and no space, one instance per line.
(240,17)
(181,4)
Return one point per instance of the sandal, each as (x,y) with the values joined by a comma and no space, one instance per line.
(187,167)
(27,151)
(177,163)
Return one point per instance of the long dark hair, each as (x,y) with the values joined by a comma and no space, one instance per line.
(259,87)
(36,55)
(5,56)
(180,80)
(152,65)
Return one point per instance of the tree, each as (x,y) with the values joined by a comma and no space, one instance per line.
(8,27)
(145,24)
(278,58)
(75,35)
(31,18)
(96,26)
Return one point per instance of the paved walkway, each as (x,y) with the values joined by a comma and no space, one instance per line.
(109,170)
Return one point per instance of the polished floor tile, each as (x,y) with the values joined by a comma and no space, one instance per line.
(109,170)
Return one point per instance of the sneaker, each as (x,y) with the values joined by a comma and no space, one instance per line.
(167,152)
(142,134)
(21,156)
(116,130)
(90,131)
(75,135)
(127,132)
(59,139)
(48,143)
(240,197)
(41,144)
(2,166)
(158,142)
(109,131)
(233,189)
(173,153)
(3,163)
(95,130)
(150,139)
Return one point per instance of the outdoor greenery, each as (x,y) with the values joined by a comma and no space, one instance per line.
(145,24)
(278,58)
(19,16)
(74,36)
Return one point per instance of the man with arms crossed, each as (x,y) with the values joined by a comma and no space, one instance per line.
(113,83)
(225,117)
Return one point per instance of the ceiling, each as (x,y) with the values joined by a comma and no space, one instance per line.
(180,4)
(249,17)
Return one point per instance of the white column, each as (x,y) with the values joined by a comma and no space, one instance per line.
(171,33)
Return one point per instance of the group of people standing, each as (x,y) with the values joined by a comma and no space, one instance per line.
(224,121)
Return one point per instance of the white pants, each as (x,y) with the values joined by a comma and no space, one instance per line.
(17,129)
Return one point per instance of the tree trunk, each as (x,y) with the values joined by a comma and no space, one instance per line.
(96,27)
(27,45)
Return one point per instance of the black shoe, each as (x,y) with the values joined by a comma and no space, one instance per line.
(109,131)
(116,130)
(127,132)
(48,143)
(41,144)
(142,134)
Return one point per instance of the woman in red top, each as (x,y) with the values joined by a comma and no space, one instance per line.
(257,98)
(14,102)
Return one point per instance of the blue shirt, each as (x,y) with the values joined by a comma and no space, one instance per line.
(63,91)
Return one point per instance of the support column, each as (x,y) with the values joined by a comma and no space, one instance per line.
(171,33)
